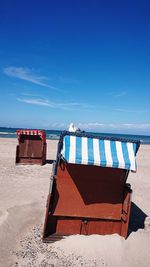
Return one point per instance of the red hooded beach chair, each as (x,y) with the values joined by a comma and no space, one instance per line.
(32,147)
(88,190)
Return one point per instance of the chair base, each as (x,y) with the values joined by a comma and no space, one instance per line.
(30,160)
(87,200)
(64,226)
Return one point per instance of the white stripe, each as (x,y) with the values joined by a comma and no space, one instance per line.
(72,152)
(109,161)
(96,152)
(131,156)
(84,150)
(63,149)
(120,155)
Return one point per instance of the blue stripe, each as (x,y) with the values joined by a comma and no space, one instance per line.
(103,160)
(102,153)
(134,148)
(126,155)
(78,159)
(67,147)
(90,152)
(114,154)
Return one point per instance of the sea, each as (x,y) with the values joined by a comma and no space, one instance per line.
(55,134)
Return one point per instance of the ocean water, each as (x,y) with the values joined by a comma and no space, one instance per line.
(54,135)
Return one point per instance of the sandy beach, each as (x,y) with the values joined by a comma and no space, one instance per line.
(23,194)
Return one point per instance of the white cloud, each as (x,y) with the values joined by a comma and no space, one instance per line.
(52,104)
(113,126)
(137,126)
(67,80)
(30,95)
(117,94)
(120,94)
(131,110)
(39,102)
(27,75)
(91,125)
(104,128)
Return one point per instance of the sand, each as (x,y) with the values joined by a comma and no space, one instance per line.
(23,194)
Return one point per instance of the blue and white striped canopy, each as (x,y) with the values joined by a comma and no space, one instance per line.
(94,151)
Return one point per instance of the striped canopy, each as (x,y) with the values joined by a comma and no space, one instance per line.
(99,152)
(41,133)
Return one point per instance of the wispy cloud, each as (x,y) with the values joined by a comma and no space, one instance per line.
(67,80)
(117,94)
(30,95)
(28,75)
(91,125)
(104,128)
(120,94)
(58,105)
(137,126)
(37,101)
(131,110)
(113,126)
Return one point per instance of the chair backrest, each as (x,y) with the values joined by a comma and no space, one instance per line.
(89,190)
(31,143)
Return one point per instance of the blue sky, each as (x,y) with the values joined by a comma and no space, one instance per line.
(86,62)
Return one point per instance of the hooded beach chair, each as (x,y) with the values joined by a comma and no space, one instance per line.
(31,148)
(88,191)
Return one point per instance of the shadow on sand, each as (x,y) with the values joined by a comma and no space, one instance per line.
(49,161)
(137,219)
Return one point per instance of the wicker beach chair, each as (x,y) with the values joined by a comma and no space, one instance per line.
(88,190)
(31,148)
